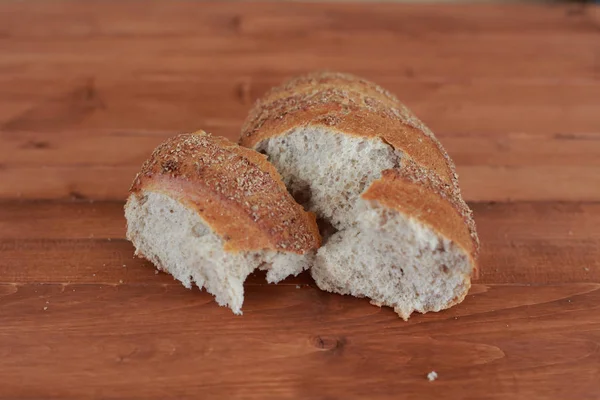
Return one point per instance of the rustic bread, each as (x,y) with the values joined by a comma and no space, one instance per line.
(210,212)
(398,230)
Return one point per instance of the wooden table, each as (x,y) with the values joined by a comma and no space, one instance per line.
(88,89)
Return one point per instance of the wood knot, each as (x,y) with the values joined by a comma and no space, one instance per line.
(243,92)
(76,195)
(36,144)
(326,343)
(236,24)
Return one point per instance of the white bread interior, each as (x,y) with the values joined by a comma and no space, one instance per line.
(379,253)
(177,240)
(395,261)
(326,172)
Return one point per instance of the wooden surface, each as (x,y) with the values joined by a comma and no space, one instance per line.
(88,89)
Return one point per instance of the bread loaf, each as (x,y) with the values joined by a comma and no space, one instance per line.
(210,212)
(398,230)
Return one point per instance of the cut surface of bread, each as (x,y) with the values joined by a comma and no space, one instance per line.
(402,234)
(395,261)
(209,212)
(326,171)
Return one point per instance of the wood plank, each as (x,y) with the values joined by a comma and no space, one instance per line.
(113,18)
(496,167)
(59,220)
(490,183)
(176,103)
(571,53)
(81,242)
(160,342)
(539,242)
(176,66)
(269,37)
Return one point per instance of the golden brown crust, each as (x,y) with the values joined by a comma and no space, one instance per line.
(235,190)
(422,195)
(350,105)
(326,80)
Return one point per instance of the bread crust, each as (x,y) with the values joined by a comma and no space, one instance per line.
(235,190)
(352,106)
(420,194)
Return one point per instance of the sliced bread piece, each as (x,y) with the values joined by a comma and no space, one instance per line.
(410,247)
(210,212)
(338,140)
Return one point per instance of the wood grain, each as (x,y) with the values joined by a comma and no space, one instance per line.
(88,89)
(161,342)
(105,88)
(178,101)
